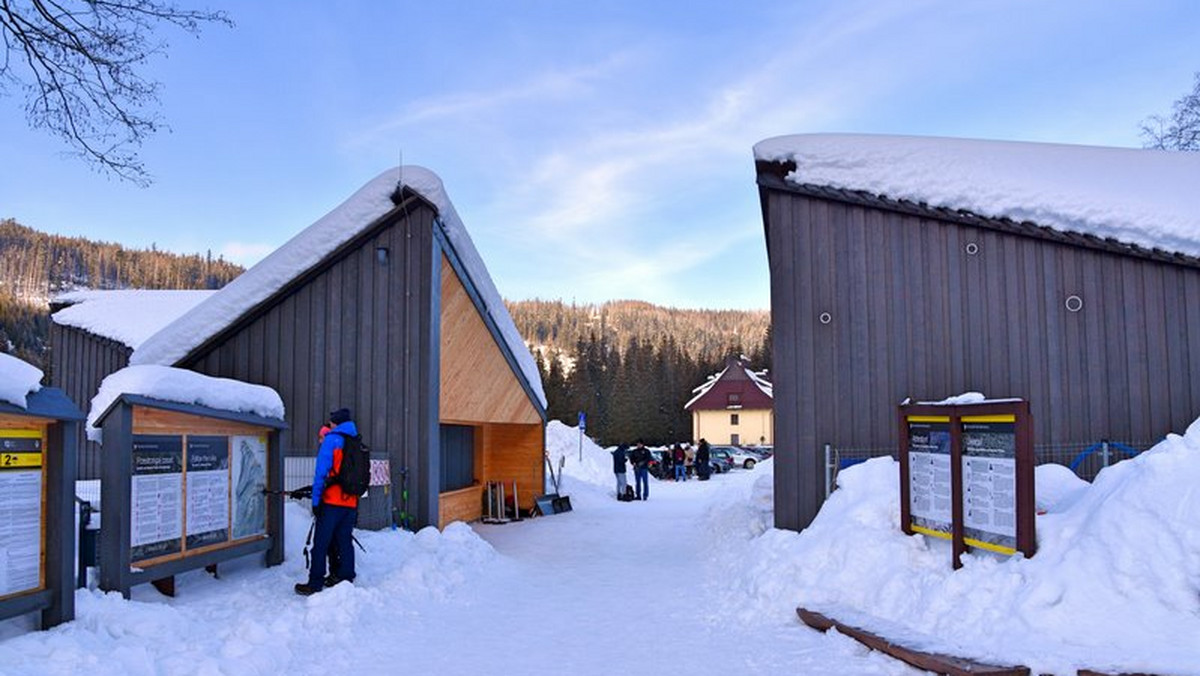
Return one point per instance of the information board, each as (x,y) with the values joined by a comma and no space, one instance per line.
(989,482)
(207,490)
(249,462)
(21,518)
(156,501)
(930,487)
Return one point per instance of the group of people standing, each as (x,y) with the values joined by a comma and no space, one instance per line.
(674,466)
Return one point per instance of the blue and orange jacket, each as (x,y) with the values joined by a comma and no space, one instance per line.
(329,460)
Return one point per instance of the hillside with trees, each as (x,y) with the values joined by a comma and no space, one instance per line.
(631,366)
(35,266)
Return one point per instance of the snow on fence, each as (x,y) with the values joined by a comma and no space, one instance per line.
(1085,459)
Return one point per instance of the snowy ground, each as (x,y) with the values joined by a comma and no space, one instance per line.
(629,588)
(692,581)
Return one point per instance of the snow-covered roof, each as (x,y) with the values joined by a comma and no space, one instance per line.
(757,377)
(181,386)
(127,316)
(1143,197)
(310,247)
(18,379)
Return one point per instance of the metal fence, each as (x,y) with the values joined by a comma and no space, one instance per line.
(1085,459)
(374,508)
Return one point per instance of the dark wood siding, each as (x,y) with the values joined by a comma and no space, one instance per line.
(358,334)
(79,362)
(914,314)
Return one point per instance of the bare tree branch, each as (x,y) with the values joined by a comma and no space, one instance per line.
(1180,131)
(79,62)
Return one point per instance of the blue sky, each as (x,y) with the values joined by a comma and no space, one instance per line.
(595,151)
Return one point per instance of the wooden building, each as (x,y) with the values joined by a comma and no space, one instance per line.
(735,406)
(926,268)
(385,307)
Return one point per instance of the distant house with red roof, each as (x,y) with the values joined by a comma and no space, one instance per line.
(735,406)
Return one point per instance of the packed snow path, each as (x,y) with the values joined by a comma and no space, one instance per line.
(636,588)
(610,588)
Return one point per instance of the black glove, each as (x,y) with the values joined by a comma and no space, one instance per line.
(317,509)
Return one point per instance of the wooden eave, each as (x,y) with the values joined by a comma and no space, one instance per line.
(490,322)
(773,176)
(190,409)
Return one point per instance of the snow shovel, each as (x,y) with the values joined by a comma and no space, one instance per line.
(553,503)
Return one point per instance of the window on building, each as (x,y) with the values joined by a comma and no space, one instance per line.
(458,457)
(735,439)
(733,418)
(733,399)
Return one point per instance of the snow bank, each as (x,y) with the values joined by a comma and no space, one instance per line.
(311,246)
(1056,487)
(1115,585)
(1143,197)
(250,622)
(18,379)
(184,387)
(128,316)
(587,481)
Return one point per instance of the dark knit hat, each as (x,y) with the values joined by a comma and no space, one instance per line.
(339,416)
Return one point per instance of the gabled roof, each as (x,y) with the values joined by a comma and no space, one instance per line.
(128,316)
(752,387)
(1145,198)
(311,246)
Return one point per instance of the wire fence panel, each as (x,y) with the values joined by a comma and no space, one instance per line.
(1085,459)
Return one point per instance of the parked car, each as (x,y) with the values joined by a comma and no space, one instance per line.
(720,459)
(739,457)
(763,452)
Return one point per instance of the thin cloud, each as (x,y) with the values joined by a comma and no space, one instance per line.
(546,87)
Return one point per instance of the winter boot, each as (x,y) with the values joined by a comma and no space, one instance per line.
(303,589)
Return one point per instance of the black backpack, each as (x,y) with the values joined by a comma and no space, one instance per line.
(354,474)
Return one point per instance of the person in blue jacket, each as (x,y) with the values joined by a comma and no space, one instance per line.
(336,512)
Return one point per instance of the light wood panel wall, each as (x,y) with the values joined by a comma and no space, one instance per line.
(465,504)
(515,453)
(477,383)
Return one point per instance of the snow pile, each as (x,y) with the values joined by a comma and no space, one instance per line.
(964,399)
(581,479)
(1143,197)
(128,316)
(250,622)
(1056,487)
(1115,585)
(17,380)
(184,387)
(311,246)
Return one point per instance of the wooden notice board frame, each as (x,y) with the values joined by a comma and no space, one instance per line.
(137,420)
(971,429)
(51,418)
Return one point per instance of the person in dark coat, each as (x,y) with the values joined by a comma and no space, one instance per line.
(619,459)
(336,512)
(666,466)
(703,460)
(640,457)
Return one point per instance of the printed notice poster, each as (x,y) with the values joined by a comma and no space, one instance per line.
(930,497)
(156,499)
(20,511)
(249,460)
(207,490)
(990,482)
